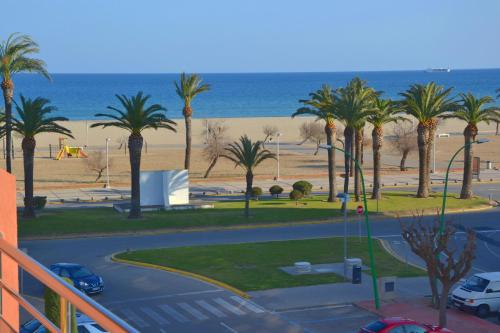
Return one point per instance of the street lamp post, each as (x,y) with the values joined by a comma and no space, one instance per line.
(367,223)
(278,153)
(445,191)
(107,162)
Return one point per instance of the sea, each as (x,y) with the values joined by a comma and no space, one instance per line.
(81,96)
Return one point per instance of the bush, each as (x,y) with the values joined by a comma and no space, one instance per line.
(256,192)
(39,202)
(296,195)
(303,186)
(276,190)
(53,305)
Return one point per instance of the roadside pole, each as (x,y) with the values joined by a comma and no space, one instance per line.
(360,212)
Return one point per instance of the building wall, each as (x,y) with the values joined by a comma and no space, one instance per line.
(8,228)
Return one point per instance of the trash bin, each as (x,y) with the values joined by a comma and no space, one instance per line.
(356,274)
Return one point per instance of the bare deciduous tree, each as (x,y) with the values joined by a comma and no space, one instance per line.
(404,141)
(97,162)
(122,143)
(216,141)
(444,262)
(312,132)
(269,131)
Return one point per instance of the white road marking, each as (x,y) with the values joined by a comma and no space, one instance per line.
(229,307)
(315,308)
(210,308)
(173,313)
(192,311)
(155,316)
(135,318)
(247,304)
(165,296)
(229,328)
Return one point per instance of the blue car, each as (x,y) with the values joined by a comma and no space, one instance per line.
(82,278)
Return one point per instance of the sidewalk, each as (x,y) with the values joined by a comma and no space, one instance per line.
(420,310)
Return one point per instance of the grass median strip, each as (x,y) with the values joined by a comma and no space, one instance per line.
(255,266)
(227,213)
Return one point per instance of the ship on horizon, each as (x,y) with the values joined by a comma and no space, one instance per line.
(438,70)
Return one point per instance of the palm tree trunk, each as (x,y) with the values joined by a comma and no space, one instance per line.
(8,94)
(377,140)
(466,192)
(28,146)
(351,161)
(357,172)
(248,193)
(348,137)
(211,166)
(135,149)
(330,140)
(402,164)
(187,158)
(430,142)
(423,171)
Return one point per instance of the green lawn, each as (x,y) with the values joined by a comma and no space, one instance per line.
(254,266)
(226,213)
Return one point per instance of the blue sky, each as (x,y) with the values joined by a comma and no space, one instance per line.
(159,36)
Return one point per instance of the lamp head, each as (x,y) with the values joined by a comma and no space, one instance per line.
(325,146)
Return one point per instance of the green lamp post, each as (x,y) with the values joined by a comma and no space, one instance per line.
(480,141)
(368,226)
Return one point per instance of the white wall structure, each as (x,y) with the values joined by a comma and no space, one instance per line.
(164,188)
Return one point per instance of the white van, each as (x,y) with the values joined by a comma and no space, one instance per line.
(479,294)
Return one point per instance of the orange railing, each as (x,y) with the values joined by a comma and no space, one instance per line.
(68,295)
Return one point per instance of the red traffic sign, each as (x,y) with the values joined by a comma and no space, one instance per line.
(360,209)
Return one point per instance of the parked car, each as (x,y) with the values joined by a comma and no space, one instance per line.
(480,294)
(401,325)
(82,277)
(84,325)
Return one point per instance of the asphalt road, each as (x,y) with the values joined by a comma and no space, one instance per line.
(157,301)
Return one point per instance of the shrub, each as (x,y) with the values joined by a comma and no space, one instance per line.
(53,305)
(276,190)
(39,202)
(256,192)
(296,195)
(303,186)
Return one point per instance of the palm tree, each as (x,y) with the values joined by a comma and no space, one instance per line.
(34,119)
(472,110)
(384,112)
(321,105)
(248,155)
(426,103)
(135,117)
(353,105)
(497,121)
(14,58)
(187,89)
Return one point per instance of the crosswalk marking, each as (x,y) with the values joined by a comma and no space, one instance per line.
(229,307)
(193,311)
(155,316)
(247,304)
(210,308)
(135,318)
(173,313)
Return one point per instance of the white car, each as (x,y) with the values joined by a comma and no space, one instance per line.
(84,325)
(479,294)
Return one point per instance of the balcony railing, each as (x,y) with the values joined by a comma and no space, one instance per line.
(68,295)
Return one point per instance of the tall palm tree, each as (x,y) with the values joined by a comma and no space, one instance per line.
(321,105)
(189,86)
(384,112)
(426,103)
(353,105)
(135,117)
(33,118)
(14,58)
(472,110)
(247,155)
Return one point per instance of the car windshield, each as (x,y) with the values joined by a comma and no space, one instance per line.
(376,326)
(476,283)
(79,272)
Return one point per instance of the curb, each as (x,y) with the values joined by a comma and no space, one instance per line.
(389,250)
(183,273)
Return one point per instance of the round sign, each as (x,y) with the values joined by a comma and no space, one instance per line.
(360,209)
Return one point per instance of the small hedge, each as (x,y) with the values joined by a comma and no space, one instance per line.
(256,192)
(276,190)
(39,202)
(296,195)
(303,186)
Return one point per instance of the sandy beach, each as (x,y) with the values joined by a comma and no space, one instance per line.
(166,151)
